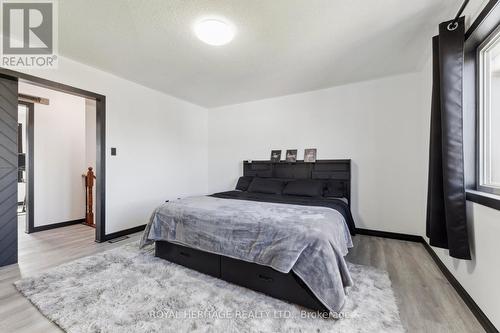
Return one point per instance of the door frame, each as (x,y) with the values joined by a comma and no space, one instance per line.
(100,216)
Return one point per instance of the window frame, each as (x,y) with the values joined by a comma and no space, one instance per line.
(481,122)
(483,27)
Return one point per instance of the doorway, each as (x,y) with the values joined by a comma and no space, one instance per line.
(9,157)
(63,148)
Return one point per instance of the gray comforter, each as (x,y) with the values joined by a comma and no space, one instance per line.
(311,241)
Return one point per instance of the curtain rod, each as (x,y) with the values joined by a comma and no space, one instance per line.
(454,24)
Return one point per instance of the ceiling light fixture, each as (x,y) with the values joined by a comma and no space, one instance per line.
(214,32)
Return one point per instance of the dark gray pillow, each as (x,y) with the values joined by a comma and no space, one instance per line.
(266,185)
(243,183)
(305,187)
(335,189)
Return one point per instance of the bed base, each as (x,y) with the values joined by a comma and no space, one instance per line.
(288,287)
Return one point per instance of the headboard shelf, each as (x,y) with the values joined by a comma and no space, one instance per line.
(298,161)
(337,172)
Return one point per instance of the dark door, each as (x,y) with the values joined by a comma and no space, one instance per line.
(8,171)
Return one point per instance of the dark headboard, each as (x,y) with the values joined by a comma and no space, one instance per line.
(336,171)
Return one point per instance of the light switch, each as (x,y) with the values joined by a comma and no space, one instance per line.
(113,151)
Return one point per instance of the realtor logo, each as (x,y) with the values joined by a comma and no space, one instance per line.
(28,34)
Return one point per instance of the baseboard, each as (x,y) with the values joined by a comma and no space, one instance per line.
(55,225)
(125,232)
(391,235)
(468,300)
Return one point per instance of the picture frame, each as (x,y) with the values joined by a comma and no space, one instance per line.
(310,155)
(275,156)
(291,155)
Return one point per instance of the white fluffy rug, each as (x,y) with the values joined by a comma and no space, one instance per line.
(129,290)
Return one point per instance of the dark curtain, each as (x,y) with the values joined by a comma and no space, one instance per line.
(446,211)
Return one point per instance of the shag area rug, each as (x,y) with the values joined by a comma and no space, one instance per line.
(129,290)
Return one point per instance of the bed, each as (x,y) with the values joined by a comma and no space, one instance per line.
(268,238)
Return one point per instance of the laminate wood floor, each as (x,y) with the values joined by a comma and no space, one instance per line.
(426,301)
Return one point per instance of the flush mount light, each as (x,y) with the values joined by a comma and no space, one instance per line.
(214,31)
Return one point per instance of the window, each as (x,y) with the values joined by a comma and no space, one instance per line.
(489,115)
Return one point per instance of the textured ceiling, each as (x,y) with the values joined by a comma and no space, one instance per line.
(281,47)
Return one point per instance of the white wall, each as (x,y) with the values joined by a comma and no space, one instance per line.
(378,124)
(90,142)
(480,275)
(59,156)
(161,143)
(90,133)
